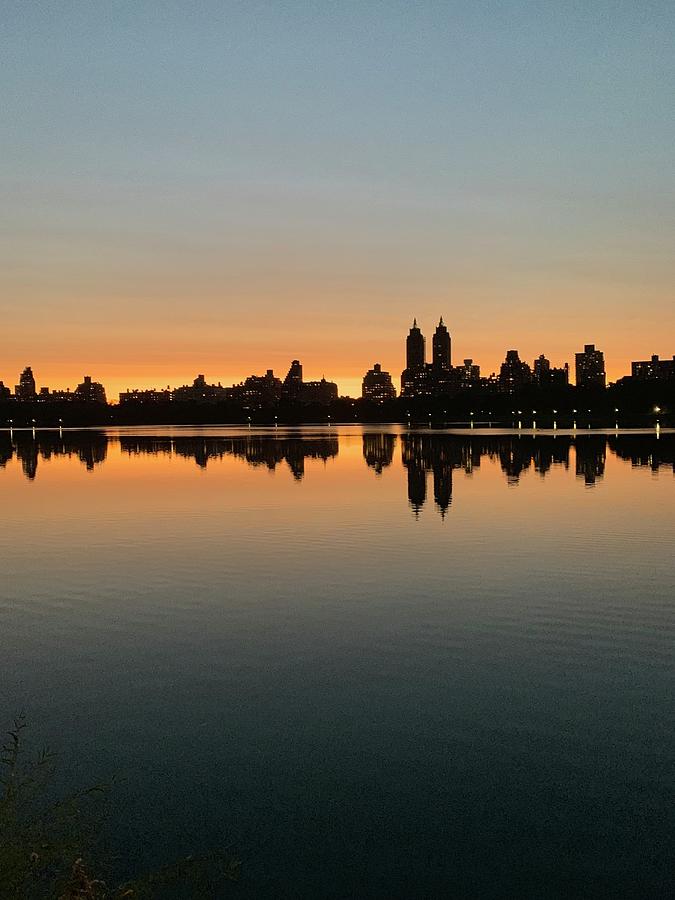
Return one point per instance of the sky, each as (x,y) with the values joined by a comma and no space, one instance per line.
(220,187)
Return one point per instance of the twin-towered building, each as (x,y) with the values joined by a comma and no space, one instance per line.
(440,378)
(423,379)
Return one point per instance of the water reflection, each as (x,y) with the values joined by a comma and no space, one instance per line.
(256,450)
(90,448)
(425,457)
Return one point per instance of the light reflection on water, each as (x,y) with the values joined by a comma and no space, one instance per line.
(384,663)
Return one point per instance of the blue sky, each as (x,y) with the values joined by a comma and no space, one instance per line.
(230,185)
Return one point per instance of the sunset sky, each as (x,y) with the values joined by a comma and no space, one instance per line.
(220,187)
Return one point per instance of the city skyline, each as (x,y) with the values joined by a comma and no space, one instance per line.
(146,375)
(198,193)
(337,444)
(430,368)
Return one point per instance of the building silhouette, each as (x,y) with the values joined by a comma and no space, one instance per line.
(378,450)
(292,385)
(149,395)
(441,349)
(200,392)
(468,374)
(545,375)
(377,385)
(654,369)
(90,391)
(423,379)
(25,389)
(415,348)
(514,372)
(590,368)
(257,390)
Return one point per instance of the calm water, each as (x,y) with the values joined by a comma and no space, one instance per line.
(381,664)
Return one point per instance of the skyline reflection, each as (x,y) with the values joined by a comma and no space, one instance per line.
(425,457)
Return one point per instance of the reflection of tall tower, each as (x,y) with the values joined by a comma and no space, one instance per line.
(415,348)
(442,470)
(378,450)
(590,453)
(417,486)
(441,348)
(28,454)
(412,457)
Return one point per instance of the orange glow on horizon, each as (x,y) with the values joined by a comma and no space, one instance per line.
(346,372)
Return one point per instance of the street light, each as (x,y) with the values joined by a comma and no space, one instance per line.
(555,424)
(534,421)
(471,414)
(616,418)
(574,422)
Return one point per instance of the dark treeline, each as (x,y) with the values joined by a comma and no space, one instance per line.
(638,404)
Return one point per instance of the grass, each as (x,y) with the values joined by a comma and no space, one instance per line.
(54,849)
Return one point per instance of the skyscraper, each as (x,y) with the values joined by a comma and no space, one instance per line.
(514,373)
(590,368)
(541,371)
(293,381)
(415,348)
(25,389)
(441,348)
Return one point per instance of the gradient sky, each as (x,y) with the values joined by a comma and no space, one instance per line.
(219,187)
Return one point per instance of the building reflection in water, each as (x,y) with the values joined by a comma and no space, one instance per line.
(378,450)
(426,457)
(89,447)
(440,455)
(256,450)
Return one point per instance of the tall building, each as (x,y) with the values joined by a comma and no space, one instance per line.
(441,358)
(541,370)
(25,389)
(415,348)
(590,368)
(5,393)
(514,372)
(377,385)
(293,381)
(294,389)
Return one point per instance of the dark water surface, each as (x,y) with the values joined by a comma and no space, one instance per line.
(382,664)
